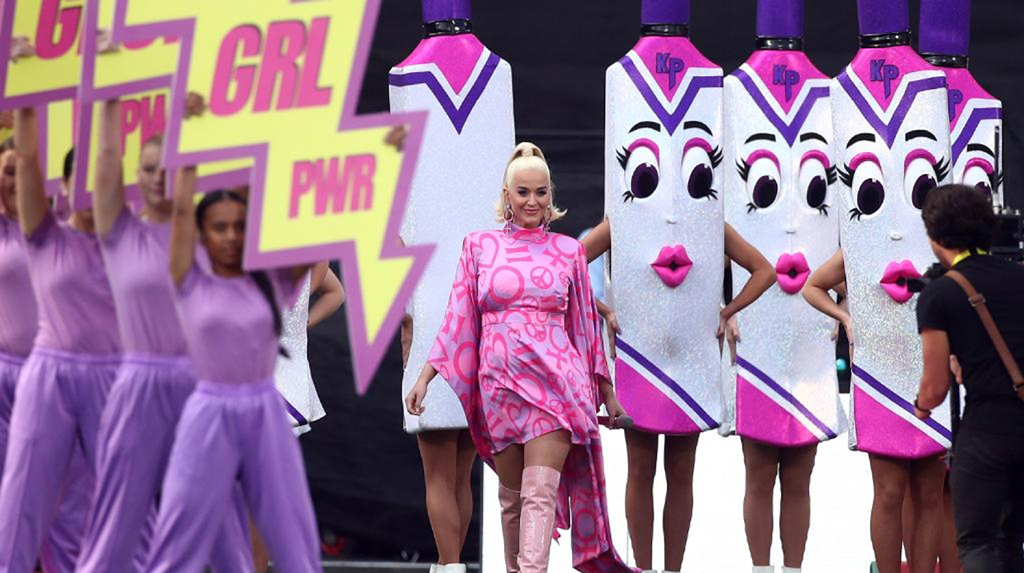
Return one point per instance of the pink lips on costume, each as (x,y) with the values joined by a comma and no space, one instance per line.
(895,278)
(672,265)
(792,271)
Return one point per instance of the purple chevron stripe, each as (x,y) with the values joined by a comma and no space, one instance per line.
(888,131)
(786,395)
(300,420)
(667,380)
(976,117)
(898,401)
(788,130)
(457,115)
(670,120)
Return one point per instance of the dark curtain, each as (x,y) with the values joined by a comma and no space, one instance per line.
(364,471)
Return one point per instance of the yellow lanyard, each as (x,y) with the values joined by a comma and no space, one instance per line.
(965,254)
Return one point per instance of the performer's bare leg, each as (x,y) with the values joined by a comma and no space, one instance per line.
(439,450)
(926,479)
(680,453)
(762,466)
(795,467)
(642,455)
(890,477)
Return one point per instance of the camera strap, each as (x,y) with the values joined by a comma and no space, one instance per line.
(978,302)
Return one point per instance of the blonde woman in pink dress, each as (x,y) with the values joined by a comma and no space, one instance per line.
(520,345)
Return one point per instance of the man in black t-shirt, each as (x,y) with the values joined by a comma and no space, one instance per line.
(988,465)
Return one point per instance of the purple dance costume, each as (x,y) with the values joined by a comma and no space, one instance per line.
(234,426)
(61,391)
(145,403)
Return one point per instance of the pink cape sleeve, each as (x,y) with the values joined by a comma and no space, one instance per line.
(455,354)
(584,324)
(456,351)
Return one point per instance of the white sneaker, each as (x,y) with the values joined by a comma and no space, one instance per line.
(764,569)
(452,568)
(791,570)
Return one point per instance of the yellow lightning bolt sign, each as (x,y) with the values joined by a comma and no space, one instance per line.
(65,76)
(281,79)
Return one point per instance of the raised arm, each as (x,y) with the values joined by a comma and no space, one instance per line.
(762,275)
(598,241)
(31,195)
(332,294)
(109,185)
(183,225)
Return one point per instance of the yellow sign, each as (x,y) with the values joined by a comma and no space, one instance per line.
(281,79)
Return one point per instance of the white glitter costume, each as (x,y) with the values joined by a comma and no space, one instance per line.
(292,375)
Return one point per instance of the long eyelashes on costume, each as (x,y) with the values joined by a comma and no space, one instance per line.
(846,175)
(744,169)
(830,175)
(623,156)
(941,169)
(716,157)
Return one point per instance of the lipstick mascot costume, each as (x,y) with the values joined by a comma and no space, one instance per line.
(975,116)
(467,90)
(891,121)
(781,194)
(663,184)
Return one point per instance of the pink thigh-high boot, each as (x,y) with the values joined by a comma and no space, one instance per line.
(511,506)
(537,520)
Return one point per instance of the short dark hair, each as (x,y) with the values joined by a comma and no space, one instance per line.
(959,217)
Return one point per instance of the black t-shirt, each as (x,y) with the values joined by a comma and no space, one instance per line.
(992,405)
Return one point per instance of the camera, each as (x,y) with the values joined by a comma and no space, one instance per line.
(1007,243)
(931,273)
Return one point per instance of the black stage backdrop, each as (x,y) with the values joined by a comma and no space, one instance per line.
(364,471)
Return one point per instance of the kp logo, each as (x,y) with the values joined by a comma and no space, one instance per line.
(669,65)
(956,97)
(785,77)
(883,72)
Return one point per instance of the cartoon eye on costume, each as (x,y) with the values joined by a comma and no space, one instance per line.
(864,177)
(815,177)
(980,174)
(760,171)
(699,163)
(922,174)
(640,161)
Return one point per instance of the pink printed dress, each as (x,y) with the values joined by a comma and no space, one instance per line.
(520,345)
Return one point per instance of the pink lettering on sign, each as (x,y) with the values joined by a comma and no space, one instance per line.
(341,187)
(145,116)
(243,41)
(285,76)
(57,28)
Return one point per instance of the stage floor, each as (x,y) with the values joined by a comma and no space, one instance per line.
(839,540)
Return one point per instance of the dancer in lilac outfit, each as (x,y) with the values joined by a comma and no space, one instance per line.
(235,424)
(63,384)
(155,377)
(18,325)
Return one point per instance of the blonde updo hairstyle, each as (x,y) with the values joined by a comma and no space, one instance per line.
(527,156)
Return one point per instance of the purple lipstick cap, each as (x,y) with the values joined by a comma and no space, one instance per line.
(439,10)
(780,18)
(945,27)
(665,12)
(883,16)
